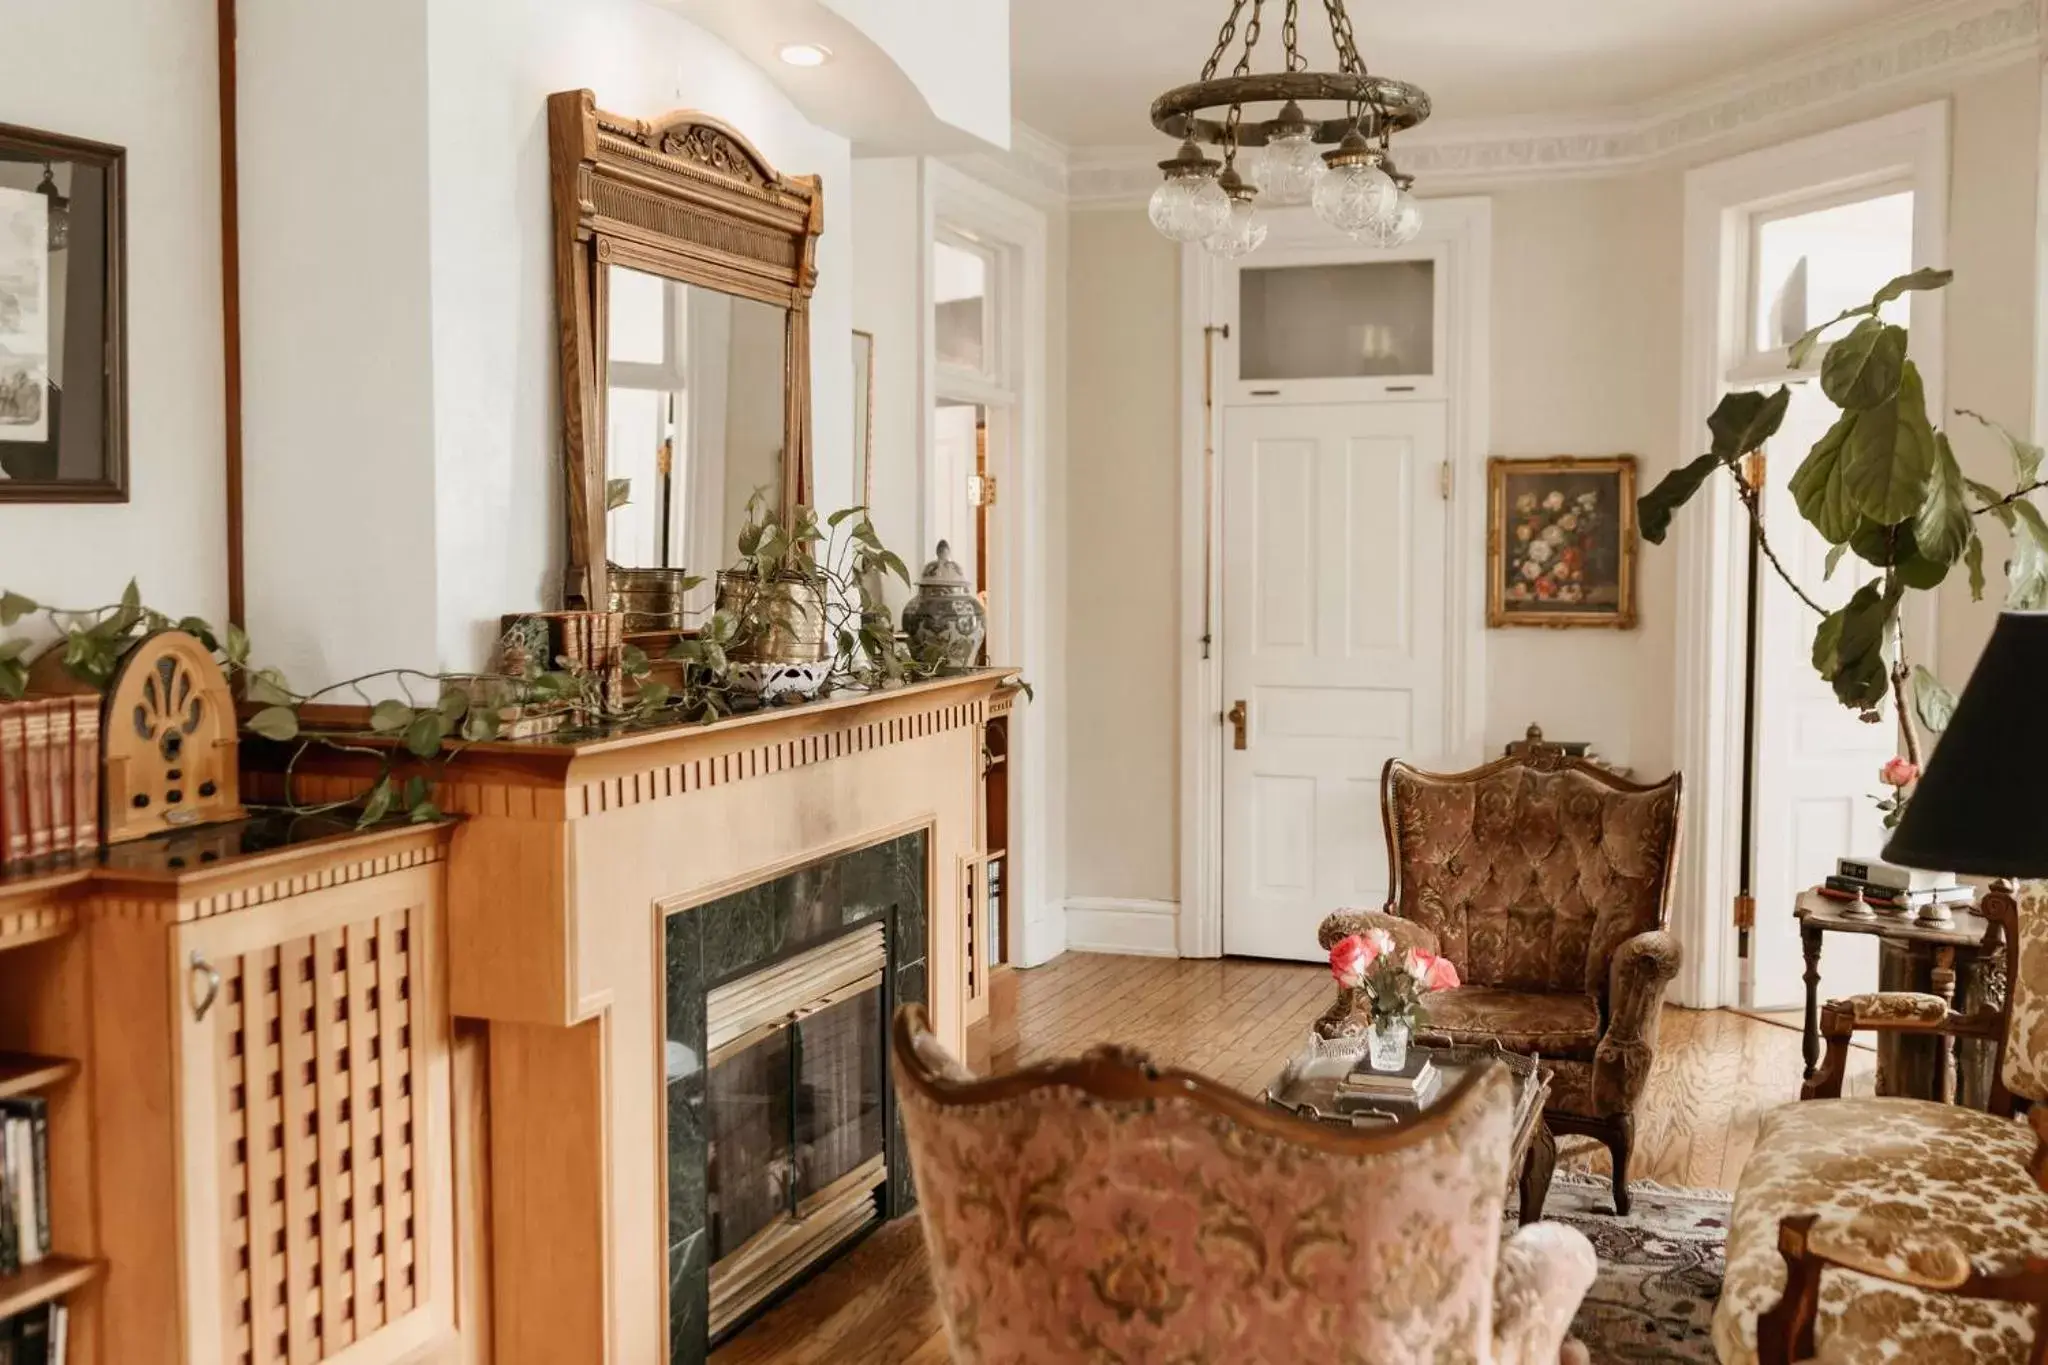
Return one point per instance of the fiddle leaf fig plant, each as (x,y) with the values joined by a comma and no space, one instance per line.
(1883,484)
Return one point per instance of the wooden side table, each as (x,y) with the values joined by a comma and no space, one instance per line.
(1971,936)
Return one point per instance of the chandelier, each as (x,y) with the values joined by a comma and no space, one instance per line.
(1354,186)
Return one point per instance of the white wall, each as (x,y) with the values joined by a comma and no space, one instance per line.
(888,229)
(140,74)
(439,465)
(1586,361)
(937,43)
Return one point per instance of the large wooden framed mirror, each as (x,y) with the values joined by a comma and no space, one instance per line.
(684,265)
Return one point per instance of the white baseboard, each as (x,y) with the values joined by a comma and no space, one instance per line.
(1099,924)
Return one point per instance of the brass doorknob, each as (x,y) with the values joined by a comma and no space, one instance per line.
(1238,714)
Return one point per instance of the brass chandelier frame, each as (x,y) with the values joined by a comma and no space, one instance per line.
(1375,106)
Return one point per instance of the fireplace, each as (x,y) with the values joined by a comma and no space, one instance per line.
(782,1140)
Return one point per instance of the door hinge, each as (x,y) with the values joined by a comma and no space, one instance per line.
(1443,480)
(1745,912)
(981,490)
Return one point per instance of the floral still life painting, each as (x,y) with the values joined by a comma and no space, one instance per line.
(1561,542)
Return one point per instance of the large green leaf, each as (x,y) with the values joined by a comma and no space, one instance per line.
(1891,455)
(1745,419)
(378,804)
(1801,350)
(1817,485)
(1863,369)
(1941,528)
(13,606)
(1934,703)
(266,688)
(1655,508)
(423,736)
(1848,646)
(2027,574)
(2026,456)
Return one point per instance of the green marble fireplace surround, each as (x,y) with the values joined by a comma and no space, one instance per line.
(708,945)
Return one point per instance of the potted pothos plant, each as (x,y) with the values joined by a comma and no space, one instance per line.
(411,718)
(1882,484)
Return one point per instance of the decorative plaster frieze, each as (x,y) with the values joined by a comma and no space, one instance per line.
(1949,40)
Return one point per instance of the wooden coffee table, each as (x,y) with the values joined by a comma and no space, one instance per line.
(1308,1086)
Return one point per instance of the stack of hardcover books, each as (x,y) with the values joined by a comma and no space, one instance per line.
(1900,890)
(41,1336)
(1416,1082)
(49,777)
(24,1183)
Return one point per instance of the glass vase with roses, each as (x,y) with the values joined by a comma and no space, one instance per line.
(1394,983)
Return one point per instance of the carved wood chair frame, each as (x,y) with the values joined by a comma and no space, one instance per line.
(1785,1332)
(686,197)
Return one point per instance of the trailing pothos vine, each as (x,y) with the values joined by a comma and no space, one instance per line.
(434,715)
(1884,485)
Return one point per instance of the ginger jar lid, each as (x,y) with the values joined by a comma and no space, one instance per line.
(943,572)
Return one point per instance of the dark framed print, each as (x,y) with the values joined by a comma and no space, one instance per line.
(63,307)
(1561,542)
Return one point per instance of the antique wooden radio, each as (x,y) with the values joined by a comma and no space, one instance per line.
(169,728)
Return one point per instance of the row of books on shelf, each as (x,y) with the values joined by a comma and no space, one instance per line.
(24,1183)
(49,776)
(41,1336)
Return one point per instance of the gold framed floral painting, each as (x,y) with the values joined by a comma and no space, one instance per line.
(1561,542)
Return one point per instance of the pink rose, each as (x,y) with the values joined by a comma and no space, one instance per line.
(1349,957)
(1439,973)
(1899,772)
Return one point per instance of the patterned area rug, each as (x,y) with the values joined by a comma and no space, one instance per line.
(1660,1268)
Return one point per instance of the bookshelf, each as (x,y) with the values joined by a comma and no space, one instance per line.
(50,1278)
(24,1073)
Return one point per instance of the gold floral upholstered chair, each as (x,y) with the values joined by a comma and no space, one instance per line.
(1898,1229)
(1545,879)
(1104,1210)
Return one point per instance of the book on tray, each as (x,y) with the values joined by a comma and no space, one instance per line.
(1838,887)
(1417,1079)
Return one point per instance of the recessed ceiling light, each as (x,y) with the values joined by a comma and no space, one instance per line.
(806,54)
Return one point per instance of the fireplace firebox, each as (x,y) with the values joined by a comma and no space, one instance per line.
(783,1146)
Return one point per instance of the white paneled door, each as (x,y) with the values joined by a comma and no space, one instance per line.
(1334,525)
(1816,761)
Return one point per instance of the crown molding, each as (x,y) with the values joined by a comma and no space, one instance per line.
(1944,41)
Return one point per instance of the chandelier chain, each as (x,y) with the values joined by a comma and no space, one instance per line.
(1251,39)
(1346,40)
(1290,37)
(1228,32)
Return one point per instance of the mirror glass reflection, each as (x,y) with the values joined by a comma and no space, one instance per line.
(694,419)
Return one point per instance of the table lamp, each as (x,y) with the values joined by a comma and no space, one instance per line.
(1975,808)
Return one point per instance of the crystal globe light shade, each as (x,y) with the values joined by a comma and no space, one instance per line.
(1407,224)
(1290,169)
(1354,198)
(1188,208)
(1399,230)
(1241,234)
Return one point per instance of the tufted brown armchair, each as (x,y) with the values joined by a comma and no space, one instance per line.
(1546,880)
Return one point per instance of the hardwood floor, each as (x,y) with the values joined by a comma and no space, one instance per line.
(1237,1021)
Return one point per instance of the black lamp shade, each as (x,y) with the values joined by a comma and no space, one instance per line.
(1979,808)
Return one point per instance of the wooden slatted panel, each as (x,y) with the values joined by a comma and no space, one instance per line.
(263,1077)
(232,1042)
(320,1112)
(301,1169)
(364,1132)
(331,1062)
(391,1111)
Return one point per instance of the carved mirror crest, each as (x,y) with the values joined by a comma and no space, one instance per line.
(684,265)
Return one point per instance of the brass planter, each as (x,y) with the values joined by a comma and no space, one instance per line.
(791,634)
(650,599)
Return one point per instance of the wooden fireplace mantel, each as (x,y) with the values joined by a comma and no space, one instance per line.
(567,860)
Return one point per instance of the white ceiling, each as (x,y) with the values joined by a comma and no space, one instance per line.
(1085,71)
